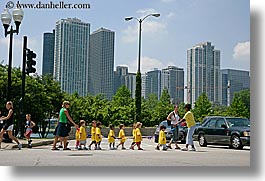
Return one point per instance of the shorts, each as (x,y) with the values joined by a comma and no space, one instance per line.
(82,142)
(28,133)
(61,130)
(8,127)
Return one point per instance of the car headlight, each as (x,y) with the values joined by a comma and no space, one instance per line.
(245,133)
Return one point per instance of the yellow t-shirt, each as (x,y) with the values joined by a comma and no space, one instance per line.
(189,119)
(110,136)
(98,135)
(162,138)
(122,136)
(133,133)
(77,134)
(82,133)
(93,134)
(138,135)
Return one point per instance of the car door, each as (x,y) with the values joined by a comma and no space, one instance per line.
(210,130)
(221,131)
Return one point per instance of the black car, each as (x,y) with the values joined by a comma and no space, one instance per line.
(217,130)
(168,131)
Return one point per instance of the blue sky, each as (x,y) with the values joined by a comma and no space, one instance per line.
(165,40)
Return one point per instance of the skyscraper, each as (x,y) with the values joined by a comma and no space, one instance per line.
(203,72)
(71,55)
(233,81)
(172,78)
(102,62)
(153,83)
(130,83)
(119,74)
(48,53)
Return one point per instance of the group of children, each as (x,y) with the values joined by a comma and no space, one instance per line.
(96,136)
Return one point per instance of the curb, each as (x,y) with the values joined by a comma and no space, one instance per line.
(24,145)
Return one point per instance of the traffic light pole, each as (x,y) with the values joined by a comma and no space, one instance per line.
(22,114)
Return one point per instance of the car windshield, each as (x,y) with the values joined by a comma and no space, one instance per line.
(235,122)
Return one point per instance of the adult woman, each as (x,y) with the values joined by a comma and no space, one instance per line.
(174,118)
(61,130)
(191,124)
(8,124)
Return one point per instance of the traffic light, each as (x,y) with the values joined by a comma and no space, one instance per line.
(31,62)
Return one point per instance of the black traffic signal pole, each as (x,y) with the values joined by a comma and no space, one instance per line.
(22,114)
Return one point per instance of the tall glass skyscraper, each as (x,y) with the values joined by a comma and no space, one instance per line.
(71,55)
(203,72)
(172,79)
(153,83)
(48,53)
(233,81)
(102,62)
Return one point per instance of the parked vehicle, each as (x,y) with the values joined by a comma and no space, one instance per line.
(231,131)
(169,133)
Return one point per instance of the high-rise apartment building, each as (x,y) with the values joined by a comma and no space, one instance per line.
(172,79)
(153,83)
(203,72)
(102,62)
(119,74)
(71,55)
(48,53)
(130,83)
(233,81)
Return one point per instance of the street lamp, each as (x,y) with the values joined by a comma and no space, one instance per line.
(138,90)
(6,20)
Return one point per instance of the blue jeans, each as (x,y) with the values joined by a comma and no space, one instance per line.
(189,140)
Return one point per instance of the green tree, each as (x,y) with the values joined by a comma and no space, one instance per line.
(202,107)
(138,97)
(237,107)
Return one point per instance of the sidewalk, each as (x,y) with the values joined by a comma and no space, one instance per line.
(35,142)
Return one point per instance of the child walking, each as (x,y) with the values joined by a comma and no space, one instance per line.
(29,125)
(98,136)
(122,137)
(77,137)
(133,134)
(111,138)
(82,136)
(162,138)
(93,135)
(138,136)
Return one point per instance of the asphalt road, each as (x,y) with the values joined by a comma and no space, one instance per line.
(43,156)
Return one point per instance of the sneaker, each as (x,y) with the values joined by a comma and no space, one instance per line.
(164,149)
(169,146)
(177,148)
(123,148)
(85,148)
(19,146)
(29,146)
(184,149)
(192,149)
(53,149)
(66,149)
(140,149)
(60,146)
(157,148)
(80,148)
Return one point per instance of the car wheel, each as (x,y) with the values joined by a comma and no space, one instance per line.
(202,140)
(236,142)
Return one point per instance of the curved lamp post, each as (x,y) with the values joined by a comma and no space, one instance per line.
(6,20)
(138,91)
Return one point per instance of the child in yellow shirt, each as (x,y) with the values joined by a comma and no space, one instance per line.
(98,136)
(122,137)
(138,136)
(77,137)
(111,138)
(82,135)
(93,134)
(162,138)
(133,134)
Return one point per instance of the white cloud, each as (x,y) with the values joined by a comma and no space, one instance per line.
(242,51)
(171,15)
(147,64)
